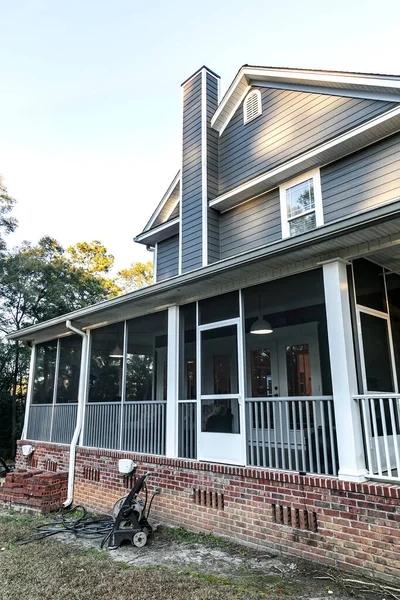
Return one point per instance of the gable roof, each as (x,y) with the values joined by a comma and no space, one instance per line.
(166,208)
(379,87)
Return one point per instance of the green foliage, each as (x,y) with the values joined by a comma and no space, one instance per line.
(137,276)
(93,259)
(7,223)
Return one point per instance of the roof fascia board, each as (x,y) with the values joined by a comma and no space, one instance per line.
(221,201)
(352,223)
(219,121)
(314,89)
(163,201)
(142,237)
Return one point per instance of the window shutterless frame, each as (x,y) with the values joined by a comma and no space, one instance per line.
(317,210)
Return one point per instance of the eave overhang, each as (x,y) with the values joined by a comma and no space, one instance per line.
(372,131)
(373,86)
(355,236)
(157,234)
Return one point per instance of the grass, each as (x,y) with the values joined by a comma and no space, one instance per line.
(54,570)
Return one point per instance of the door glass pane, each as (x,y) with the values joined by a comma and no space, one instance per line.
(298,370)
(260,373)
(376,353)
(220,415)
(219,368)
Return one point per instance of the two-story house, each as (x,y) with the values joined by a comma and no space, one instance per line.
(258,375)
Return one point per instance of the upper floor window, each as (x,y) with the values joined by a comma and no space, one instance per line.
(252,106)
(301,204)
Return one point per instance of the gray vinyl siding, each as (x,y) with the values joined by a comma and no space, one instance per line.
(290,124)
(251,225)
(362,180)
(214,251)
(191,210)
(167,258)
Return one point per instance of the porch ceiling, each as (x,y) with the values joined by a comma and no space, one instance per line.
(374,234)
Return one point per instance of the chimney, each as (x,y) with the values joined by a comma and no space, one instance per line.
(199,230)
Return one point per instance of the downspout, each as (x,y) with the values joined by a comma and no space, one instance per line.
(79,416)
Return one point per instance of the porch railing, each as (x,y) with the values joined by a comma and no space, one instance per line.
(187,429)
(380,418)
(296,433)
(52,423)
(132,426)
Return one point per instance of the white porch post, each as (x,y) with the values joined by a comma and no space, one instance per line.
(29,392)
(343,370)
(172,383)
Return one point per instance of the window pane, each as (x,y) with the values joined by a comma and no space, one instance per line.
(302,224)
(69,369)
(106,361)
(376,353)
(370,290)
(300,198)
(219,366)
(187,354)
(219,308)
(220,416)
(146,359)
(43,386)
(298,370)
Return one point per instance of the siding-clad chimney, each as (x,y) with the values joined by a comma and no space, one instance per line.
(199,233)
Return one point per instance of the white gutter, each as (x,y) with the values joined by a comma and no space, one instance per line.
(79,416)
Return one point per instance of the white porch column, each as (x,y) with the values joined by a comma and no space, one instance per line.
(29,392)
(171,436)
(343,370)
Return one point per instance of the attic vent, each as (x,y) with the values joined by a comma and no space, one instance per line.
(252,106)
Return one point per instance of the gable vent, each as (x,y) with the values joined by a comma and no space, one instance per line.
(252,106)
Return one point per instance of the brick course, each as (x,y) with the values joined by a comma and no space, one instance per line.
(343,524)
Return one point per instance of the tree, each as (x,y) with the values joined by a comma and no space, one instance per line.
(138,275)
(93,258)
(8,223)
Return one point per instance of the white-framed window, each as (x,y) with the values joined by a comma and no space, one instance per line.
(252,106)
(301,204)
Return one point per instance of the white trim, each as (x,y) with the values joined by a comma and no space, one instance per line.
(180,195)
(55,386)
(343,371)
(29,393)
(155,258)
(123,385)
(233,111)
(163,201)
(88,350)
(143,236)
(249,74)
(319,216)
(203,68)
(251,93)
(204,193)
(171,440)
(304,157)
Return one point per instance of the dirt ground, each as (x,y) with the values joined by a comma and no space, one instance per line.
(175,564)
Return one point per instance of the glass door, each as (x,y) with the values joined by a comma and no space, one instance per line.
(220,382)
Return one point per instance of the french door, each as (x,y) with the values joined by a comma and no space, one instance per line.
(221,391)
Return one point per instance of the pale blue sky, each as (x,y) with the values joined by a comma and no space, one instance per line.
(90,94)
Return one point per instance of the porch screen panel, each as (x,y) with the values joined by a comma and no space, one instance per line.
(69,369)
(43,386)
(106,363)
(370,288)
(376,353)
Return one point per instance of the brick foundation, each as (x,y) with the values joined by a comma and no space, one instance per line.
(343,524)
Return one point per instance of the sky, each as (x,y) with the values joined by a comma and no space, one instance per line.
(90,96)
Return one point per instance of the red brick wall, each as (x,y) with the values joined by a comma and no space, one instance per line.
(348,525)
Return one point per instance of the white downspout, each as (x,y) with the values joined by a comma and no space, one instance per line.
(79,416)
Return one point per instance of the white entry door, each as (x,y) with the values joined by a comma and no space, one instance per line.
(220,389)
